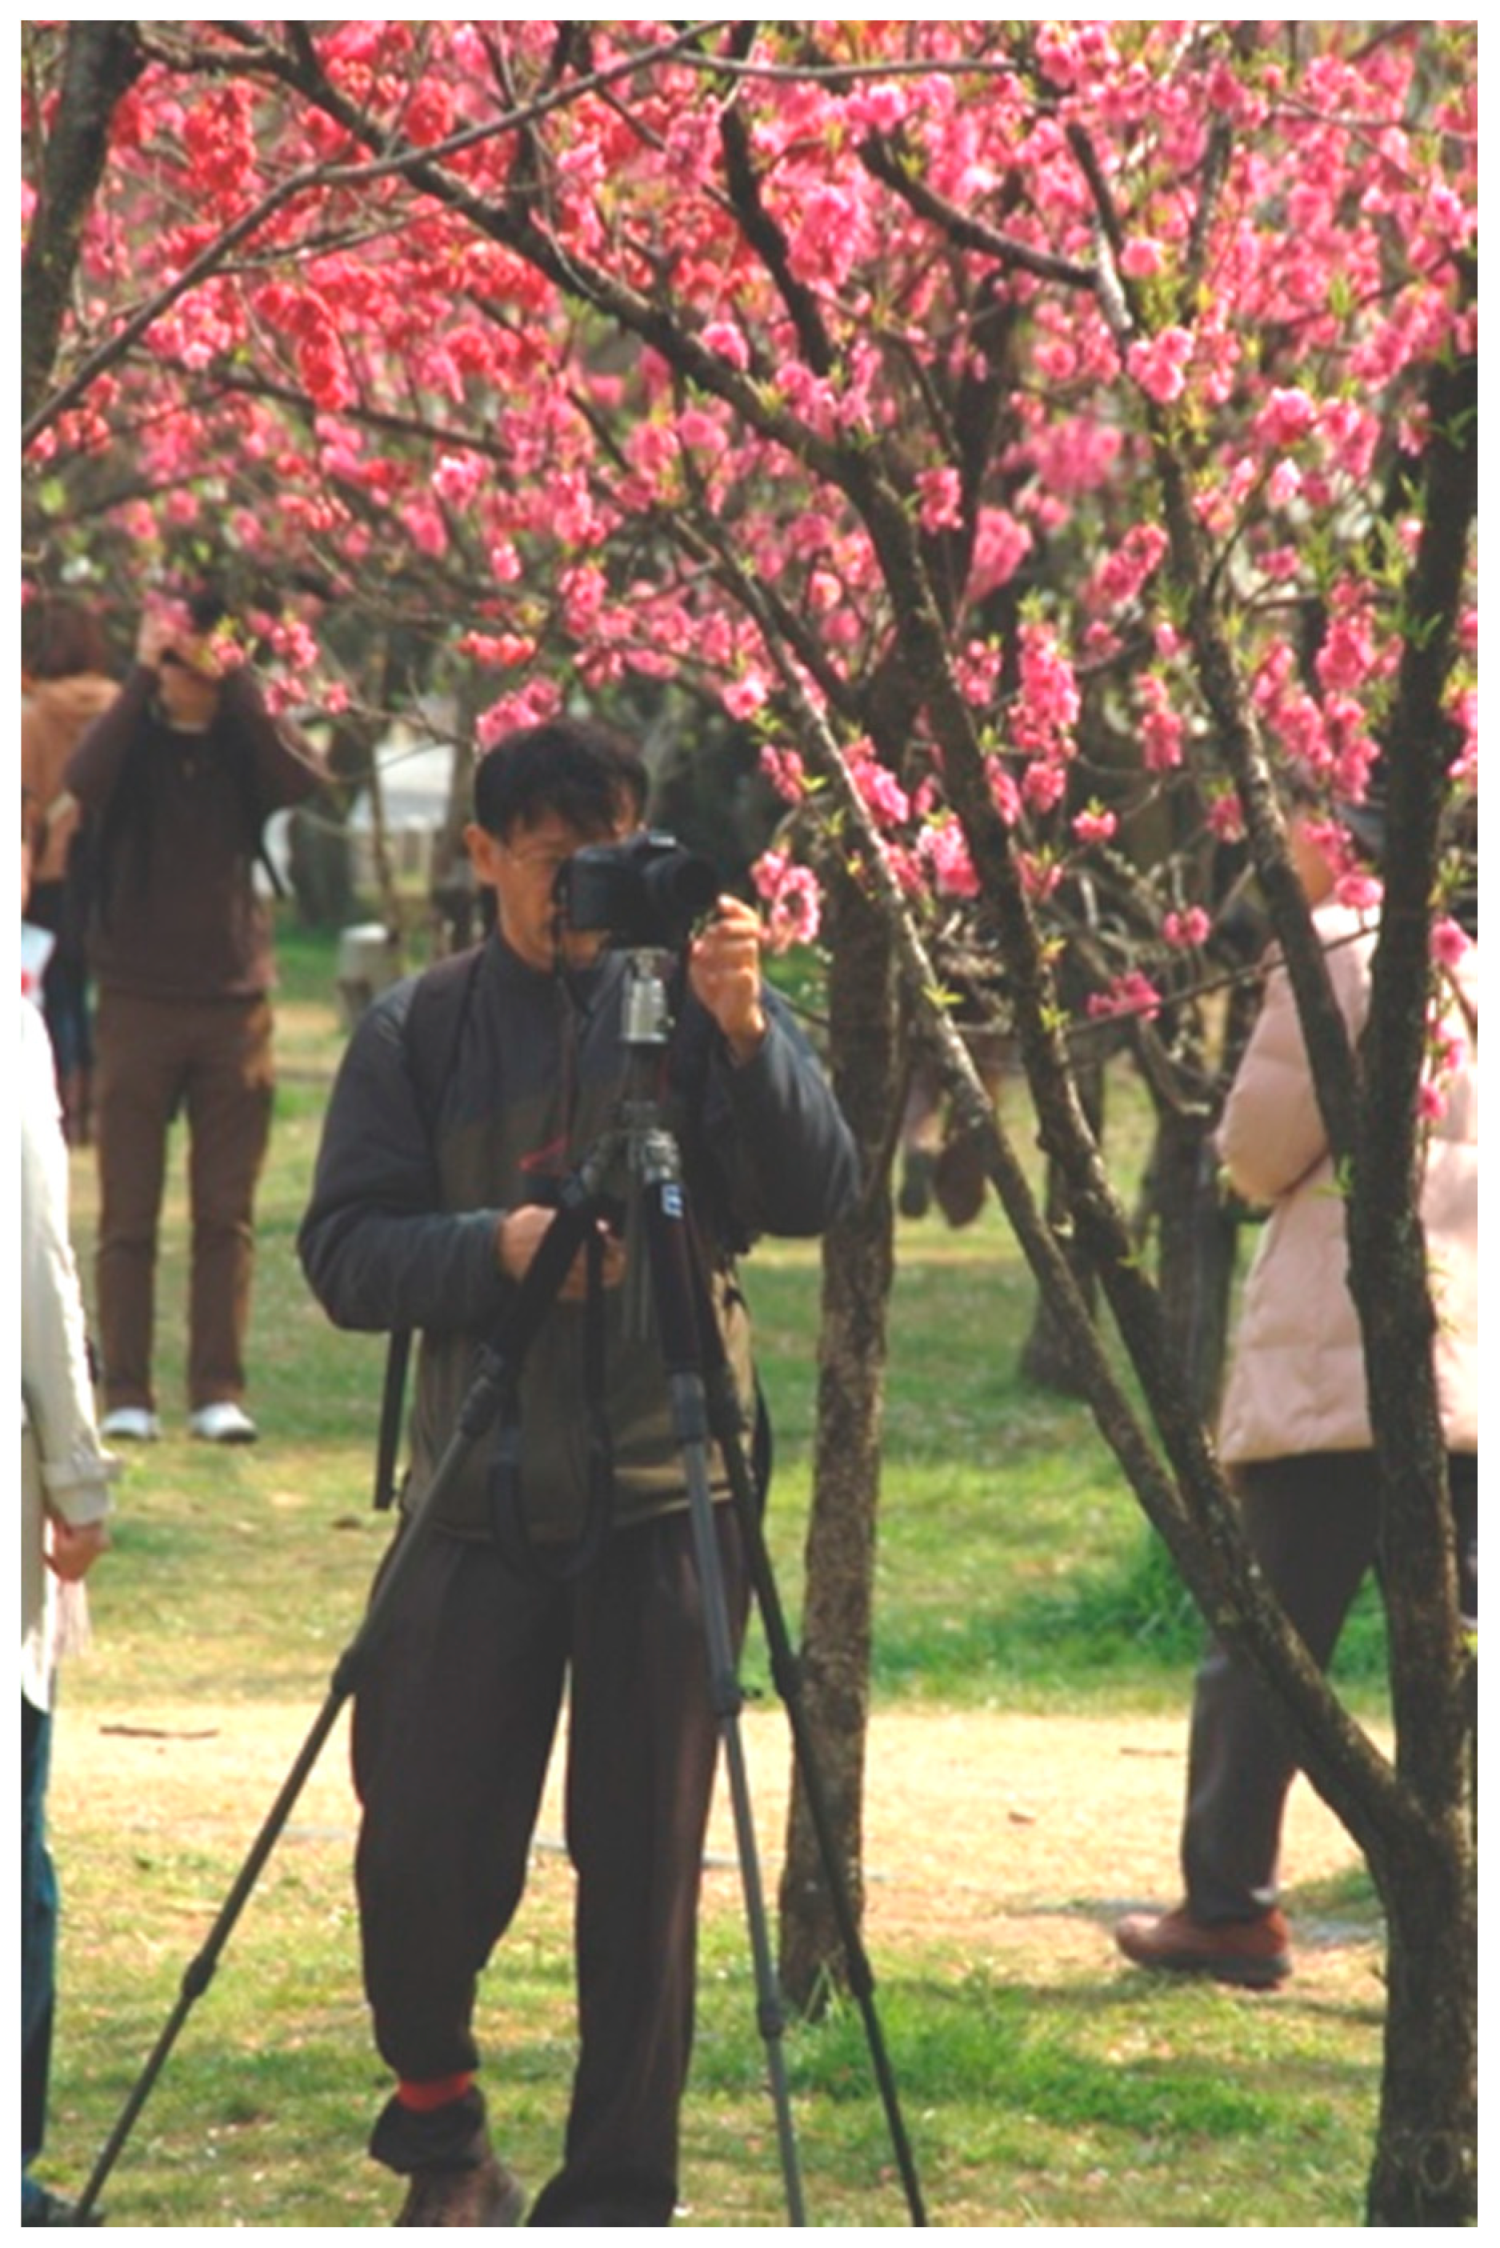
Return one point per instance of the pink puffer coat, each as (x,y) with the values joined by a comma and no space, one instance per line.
(1296,1381)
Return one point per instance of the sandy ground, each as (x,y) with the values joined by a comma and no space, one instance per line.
(1011,1838)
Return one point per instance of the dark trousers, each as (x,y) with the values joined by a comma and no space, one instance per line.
(1311,1523)
(452,1737)
(38,1935)
(211,1059)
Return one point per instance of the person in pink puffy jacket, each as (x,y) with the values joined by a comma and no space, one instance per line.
(1294,1426)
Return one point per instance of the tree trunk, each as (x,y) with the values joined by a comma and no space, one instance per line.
(1195,1251)
(103,61)
(1424,2172)
(840,1552)
(1046,1359)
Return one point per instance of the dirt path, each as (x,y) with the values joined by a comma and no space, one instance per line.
(1015,1839)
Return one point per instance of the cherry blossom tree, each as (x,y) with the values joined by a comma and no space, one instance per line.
(1052,438)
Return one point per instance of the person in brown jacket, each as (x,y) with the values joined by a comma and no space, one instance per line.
(65,686)
(179,777)
(1294,1426)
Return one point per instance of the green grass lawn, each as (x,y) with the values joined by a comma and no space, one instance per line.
(1015,1574)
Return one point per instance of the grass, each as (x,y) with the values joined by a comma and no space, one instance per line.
(1015,1573)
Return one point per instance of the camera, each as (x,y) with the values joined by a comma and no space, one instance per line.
(646,891)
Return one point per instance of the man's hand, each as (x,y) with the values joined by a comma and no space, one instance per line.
(157,634)
(724,972)
(518,1236)
(73,1548)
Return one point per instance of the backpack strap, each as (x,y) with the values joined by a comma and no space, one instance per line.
(430,1036)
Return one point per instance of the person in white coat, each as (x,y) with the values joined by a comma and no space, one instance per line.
(65,1478)
(1294,1428)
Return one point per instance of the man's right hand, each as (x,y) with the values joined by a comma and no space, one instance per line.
(155,637)
(518,1236)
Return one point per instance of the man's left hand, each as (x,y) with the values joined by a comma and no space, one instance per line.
(724,973)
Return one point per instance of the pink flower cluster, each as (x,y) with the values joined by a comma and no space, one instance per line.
(1130,994)
(792,898)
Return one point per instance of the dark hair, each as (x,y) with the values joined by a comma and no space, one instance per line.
(60,639)
(584,771)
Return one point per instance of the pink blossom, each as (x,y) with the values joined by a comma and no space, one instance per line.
(724,338)
(1142,257)
(826,243)
(1121,575)
(1361,892)
(1161,740)
(1130,994)
(1093,826)
(1448,942)
(1226,818)
(537,701)
(1286,417)
(1001,545)
(1159,364)
(783,769)
(1186,929)
(1004,794)
(941,495)
(1040,875)
(792,895)
(744,697)
(1464,771)
(945,851)
(1049,700)
(458,477)
(1044,785)
(881,790)
(502,648)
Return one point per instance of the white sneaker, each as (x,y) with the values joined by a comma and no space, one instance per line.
(132,1424)
(223,1423)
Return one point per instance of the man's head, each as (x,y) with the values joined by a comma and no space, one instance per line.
(539,795)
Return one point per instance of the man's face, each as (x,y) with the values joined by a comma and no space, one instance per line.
(188,698)
(522,871)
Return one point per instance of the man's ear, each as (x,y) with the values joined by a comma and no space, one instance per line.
(484,852)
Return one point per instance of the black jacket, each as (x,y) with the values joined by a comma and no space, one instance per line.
(401,1228)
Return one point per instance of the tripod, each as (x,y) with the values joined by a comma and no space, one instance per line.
(668,1297)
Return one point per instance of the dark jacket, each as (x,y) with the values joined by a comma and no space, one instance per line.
(175,822)
(401,1228)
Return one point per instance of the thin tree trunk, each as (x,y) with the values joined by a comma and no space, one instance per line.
(1424,2167)
(103,61)
(1046,1358)
(1195,1251)
(840,1552)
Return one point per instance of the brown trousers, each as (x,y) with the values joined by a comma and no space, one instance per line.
(155,1058)
(1311,1523)
(452,1735)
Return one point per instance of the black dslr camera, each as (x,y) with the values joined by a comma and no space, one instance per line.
(645,892)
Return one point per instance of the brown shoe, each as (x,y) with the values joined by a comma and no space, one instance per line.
(485,2193)
(1250,1952)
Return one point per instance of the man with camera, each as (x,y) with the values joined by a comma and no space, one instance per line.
(177,780)
(561,1555)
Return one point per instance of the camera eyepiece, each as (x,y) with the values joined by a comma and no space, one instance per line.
(645,891)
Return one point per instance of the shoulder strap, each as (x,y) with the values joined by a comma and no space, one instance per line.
(430,1035)
(434,1025)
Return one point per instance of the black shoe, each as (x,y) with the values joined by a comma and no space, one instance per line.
(48,2208)
(484,2194)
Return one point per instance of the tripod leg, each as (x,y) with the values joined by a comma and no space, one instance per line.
(676,1326)
(726,1423)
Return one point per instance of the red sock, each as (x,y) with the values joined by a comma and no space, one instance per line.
(434,2092)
